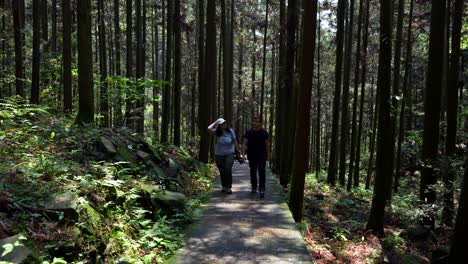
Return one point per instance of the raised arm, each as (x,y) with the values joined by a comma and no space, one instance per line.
(212,127)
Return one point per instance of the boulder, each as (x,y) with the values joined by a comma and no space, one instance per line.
(170,199)
(173,169)
(64,202)
(417,233)
(12,250)
(143,155)
(107,146)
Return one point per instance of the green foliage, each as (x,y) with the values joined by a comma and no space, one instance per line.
(393,241)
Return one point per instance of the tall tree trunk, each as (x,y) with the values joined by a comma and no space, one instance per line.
(354,129)
(458,248)
(129,63)
(396,80)
(104,100)
(406,83)
(19,43)
(264,59)
(280,91)
(85,64)
(44,21)
(384,159)
(432,104)
(36,55)
(345,100)
(287,148)
(318,127)
(370,169)
(209,79)
(356,174)
(240,76)
(452,107)
(156,76)
(54,26)
(177,71)
(166,112)
(118,62)
(332,161)
(253,105)
(67,56)
(301,150)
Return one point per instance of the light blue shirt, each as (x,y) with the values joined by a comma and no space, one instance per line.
(225,144)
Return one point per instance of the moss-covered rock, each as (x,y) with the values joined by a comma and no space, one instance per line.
(64,202)
(170,199)
(12,250)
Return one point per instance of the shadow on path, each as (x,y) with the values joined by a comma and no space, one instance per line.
(242,228)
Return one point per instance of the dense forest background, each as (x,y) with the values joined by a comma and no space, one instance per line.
(355,94)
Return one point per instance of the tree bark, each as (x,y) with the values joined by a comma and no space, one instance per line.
(177,71)
(384,159)
(452,108)
(166,112)
(36,53)
(264,60)
(209,79)
(332,161)
(129,63)
(104,99)
(19,43)
(432,104)
(301,150)
(67,56)
(85,64)
(54,26)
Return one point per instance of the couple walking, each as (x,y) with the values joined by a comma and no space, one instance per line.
(255,142)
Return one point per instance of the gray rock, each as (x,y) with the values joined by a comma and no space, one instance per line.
(170,199)
(173,168)
(108,146)
(143,155)
(64,202)
(12,250)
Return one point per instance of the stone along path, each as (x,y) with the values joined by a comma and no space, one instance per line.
(242,228)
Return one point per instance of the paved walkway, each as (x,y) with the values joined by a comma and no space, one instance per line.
(242,228)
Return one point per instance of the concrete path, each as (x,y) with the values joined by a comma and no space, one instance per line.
(242,228)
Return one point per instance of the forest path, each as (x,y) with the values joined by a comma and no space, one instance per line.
(242,228)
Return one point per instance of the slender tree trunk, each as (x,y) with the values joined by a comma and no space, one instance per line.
(156,76)
(406,83)
(288,127)
(129,63)
(67,56)
(44,27)
(209,79)
(36,55)
(264,59)
(166,112)
(85,64)
(432,104)
(452,107)
(370,169)
(332,161)
(239,79)
(356,174)
(253,105)
(177,71)
(280,91)
(18,32)
(458,248)
(345,100)
(301,150)
(384,161)
(354,129)
(318,127)
(104,100)
(54,26)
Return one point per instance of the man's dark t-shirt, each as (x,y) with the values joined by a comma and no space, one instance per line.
(256,146)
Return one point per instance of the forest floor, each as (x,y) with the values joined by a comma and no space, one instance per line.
(335,227)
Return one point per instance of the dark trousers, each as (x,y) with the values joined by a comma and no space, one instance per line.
(224,164)
(257,163)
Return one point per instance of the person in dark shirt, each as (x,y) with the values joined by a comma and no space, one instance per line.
(258,153)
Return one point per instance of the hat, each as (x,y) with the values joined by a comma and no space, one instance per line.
(220,121)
